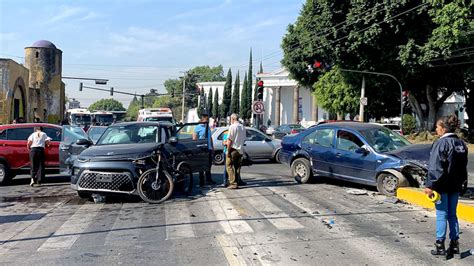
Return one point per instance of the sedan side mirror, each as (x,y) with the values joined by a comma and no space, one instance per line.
(84,142)
(362,150)
(173,140)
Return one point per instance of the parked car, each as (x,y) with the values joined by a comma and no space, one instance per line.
(95,132)
(287,129)
(358,152)
(257,145)
(116,162)
(14,155)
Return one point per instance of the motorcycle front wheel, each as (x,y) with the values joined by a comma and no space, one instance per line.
(155,187)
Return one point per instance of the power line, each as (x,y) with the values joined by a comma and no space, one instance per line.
(454,64)
(451,57)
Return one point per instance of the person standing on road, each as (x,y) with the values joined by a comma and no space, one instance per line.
(235,145)
(36,144)
(200,133)
(447,175)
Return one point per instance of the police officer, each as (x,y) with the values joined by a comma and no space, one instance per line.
(36,144)
(447,175)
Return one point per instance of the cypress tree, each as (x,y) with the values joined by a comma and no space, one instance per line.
(215,105)
(249,88)
(227,96)
(261,68)
(245,104)
(234,106)
(209,103)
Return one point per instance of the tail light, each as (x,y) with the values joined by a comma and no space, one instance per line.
(293,131)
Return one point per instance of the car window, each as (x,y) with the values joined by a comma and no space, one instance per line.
(348,141)
(321,137)
(3,134)
(19,133)
(221,135)
(253,135)
(72,134)
(53,133)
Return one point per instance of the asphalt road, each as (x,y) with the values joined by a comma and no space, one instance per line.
(272,221)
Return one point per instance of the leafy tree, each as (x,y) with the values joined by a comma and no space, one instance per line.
(208,74)
(209,102)
(227,96)
(215,105)
(335,94)
(412,40)
(234,106)
(106,105)
(244,106)
(132,110)
(409,124)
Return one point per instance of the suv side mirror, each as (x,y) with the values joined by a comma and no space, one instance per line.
(84,142)
(173,140)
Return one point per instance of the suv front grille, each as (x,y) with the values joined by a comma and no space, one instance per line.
(119,181)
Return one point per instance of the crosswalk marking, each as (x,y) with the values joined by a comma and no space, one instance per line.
(70,231)
(229,218)
(178,221)
(270,211)
(231,252)
(125,231)
(296,199)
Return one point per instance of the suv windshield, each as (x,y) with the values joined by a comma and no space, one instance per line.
(384,139)
(129,134)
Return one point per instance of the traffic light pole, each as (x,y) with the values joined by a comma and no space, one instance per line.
(387,75)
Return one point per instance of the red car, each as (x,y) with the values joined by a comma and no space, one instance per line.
(14,155)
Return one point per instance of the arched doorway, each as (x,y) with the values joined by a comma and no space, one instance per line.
(18,104)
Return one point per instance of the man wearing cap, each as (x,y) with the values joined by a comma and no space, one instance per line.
(201,133)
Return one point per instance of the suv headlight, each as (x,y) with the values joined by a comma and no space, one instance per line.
(76,171)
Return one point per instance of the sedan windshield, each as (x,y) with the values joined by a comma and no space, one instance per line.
(384,140)
(129,135)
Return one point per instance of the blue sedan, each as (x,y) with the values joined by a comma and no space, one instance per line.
(358,152)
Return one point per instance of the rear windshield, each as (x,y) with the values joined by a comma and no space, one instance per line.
(295,126)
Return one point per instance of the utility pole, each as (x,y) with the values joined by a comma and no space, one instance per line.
(184,96)
(361,104)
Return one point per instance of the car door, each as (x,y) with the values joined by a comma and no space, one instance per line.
(17,153)
(68,150)
(349,164)
(257,145)
(52,152)
(194,152)
(319,144)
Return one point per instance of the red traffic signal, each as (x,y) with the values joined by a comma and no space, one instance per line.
(260,83)
(260,90)
(317,64)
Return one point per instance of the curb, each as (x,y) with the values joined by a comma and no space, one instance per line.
(416,196)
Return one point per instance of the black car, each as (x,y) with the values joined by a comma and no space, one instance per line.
(115,162)
(287,129)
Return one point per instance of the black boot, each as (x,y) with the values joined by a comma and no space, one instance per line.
(453,249)
(439,249)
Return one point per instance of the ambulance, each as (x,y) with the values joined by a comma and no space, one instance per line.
(156,114)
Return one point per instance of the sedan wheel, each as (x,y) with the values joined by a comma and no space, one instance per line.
(301,170)
(387,184)
(218,158)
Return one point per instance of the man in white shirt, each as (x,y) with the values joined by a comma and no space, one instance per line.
(235,144)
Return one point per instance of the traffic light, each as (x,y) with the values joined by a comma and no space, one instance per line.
(317,64)
(405,98)
(260,90)
(80,86)
(111,91)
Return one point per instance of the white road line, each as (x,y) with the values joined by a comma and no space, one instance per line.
(70,231)
(231,252)
(126,228)
(270,211)
(178,222)
(230,219)
(296,199)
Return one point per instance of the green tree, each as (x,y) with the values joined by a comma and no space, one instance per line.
(412,40)
(409,124)
(215,105)
(335,94)
(106,105)
(132,110)
(208,74)
(244,106)
(234,106)
(209,103)
(250,79)
(227,96)
(202,103)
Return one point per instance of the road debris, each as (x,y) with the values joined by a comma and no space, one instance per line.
(357,192)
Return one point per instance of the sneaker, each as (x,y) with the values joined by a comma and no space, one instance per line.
(233,187)
(32,183)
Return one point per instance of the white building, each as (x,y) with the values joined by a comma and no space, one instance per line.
(285,100)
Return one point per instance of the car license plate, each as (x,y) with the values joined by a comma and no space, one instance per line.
(104,178)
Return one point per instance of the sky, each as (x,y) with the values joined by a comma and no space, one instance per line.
(138,44)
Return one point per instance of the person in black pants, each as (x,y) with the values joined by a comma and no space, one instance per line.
(36,144)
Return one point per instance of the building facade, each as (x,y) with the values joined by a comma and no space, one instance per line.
(34,90)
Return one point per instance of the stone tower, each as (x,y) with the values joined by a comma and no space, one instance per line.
(46,90)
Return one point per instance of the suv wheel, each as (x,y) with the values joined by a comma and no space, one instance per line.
(4,174)
(301,170)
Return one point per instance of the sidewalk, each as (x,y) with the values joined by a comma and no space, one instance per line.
(416,196)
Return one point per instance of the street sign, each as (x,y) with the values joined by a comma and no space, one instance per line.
(363,100)
(258,108)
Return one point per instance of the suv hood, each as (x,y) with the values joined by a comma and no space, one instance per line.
(419,153)
(118,152)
